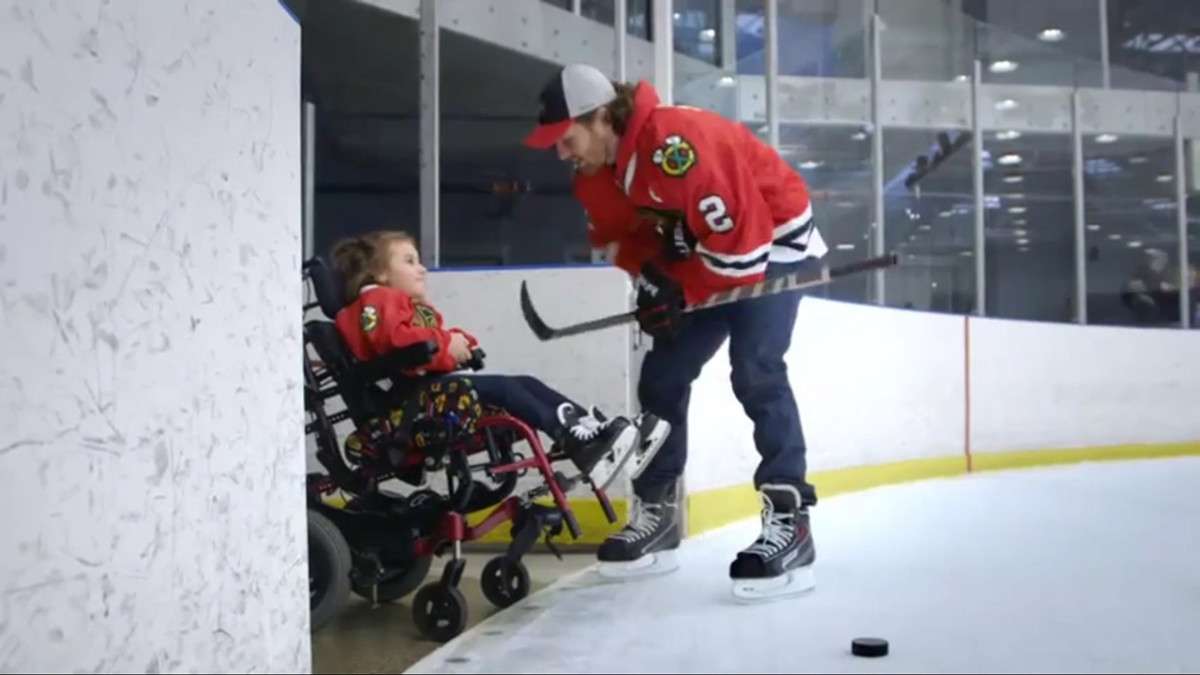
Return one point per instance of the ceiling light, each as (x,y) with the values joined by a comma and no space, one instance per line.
(1107,138)
(1051,35)
(1009,135)
(726,81)
(708,35)
(1009,159)
(946,214)
(1020,233)
(1093,228)
(1007,104)
(1016,209)
(1137,159)
(678,16)
(1115,237)
(1023,249)
(1015,195)
(859,136)
(1022,242)
(1134,244)
(962,78)
(845,247)
(810,164)
(1013,179)
(847,204)
(967,254)
(1165,178)
(1020,221)
(925,228)
(1003,66)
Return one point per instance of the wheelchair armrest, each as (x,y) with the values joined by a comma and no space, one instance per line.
(476,362)
(412,356)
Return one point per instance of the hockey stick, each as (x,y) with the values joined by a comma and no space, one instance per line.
(780,284)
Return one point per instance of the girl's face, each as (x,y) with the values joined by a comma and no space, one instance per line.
(404,271)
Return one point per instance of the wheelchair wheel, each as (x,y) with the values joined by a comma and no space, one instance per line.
(328,569)
(505,583)
(398,581)
(440,612)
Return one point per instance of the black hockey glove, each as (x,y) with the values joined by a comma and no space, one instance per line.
(660,303)
(678,240)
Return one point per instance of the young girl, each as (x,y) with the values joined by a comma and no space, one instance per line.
(389,310)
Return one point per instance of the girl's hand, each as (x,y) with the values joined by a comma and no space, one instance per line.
(460,348)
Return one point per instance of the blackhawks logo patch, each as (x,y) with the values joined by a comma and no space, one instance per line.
(676,156)
(424,316)
(369,319)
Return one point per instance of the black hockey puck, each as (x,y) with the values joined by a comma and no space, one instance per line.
(869,647)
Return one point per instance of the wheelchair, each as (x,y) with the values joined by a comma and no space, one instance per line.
(380,544)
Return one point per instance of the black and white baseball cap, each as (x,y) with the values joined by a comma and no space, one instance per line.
(576,90)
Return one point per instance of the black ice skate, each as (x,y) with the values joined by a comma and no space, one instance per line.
(646,546)
(595,443)
(654,431)
(779,563)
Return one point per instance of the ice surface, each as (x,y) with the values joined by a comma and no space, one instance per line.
(1083,568)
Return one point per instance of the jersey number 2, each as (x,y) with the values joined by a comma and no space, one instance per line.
(713,208)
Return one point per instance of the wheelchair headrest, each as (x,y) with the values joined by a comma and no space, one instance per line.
(328,285)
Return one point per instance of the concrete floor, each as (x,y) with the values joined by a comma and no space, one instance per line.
(384,640)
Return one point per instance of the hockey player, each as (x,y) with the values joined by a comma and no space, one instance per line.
(696,204)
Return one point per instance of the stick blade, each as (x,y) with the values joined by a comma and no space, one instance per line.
(539,327)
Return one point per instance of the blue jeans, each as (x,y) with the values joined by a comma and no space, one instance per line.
(760,333)
(524,397)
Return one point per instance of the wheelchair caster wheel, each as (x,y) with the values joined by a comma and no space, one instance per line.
(440,612)
(504,582)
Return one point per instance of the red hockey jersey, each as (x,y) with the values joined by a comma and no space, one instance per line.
(612,219)
(744,205)
(382,319)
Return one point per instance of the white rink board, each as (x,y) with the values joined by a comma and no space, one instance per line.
(1037,386)
(873,386)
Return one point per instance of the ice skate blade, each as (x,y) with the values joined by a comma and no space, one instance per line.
(605,472)
(796,582)
(650,447)
(649,565)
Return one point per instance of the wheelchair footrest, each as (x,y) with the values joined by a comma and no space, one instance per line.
(534,521)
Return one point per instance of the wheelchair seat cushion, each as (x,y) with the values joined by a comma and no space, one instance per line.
(452,399)
(435,413)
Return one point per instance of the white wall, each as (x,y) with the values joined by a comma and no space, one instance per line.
(149,383)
